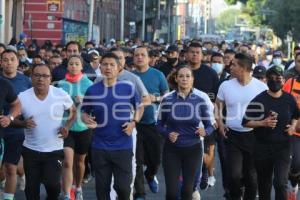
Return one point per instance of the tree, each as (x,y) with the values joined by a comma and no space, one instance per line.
(281,16)
(226,20)
(232,2)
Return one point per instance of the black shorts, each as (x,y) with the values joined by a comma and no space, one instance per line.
(13,145)
(79,141)
(208,141)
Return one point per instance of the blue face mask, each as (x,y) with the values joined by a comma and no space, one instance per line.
(277,61)
(217,67)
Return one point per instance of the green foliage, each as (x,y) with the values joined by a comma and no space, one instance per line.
(280,15)
(226,20)
(232,2)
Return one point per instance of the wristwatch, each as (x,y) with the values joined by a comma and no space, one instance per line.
(157,99)
(11,118)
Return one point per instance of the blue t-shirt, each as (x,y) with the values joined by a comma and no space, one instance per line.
(111,107)
(20,83)
(156,84)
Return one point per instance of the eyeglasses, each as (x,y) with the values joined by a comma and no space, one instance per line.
(45,76)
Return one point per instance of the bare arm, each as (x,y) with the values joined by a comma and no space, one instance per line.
(219,117)
(15,110)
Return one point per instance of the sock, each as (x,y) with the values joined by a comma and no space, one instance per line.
(79,189)
(8,196)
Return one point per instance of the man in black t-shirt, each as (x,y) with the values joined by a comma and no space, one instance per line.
(205,78)
(8,95)
(273,115)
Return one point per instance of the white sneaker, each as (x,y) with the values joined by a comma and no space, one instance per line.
(78,195)
(196,195)
(22,183)
(292,193)
(211,181)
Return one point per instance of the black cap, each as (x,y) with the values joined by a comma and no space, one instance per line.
(275,70)
(172,48)
(259,72)
(277,54)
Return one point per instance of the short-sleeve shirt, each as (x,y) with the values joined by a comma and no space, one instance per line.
(236,98)
(111,107)
(129,76)
(48,116)
(259,109)
(156,84)
(7,94)
(206,80)
(19,83)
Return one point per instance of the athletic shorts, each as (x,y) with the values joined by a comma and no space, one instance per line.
(13,145)
(79,141)
(208,141)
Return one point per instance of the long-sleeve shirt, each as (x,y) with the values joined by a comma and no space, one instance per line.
(185,116)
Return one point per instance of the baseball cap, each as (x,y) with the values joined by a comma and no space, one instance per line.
(275,70)
(172,48)
(259,71)
(277,54)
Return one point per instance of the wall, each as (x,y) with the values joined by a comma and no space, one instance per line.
(43,20)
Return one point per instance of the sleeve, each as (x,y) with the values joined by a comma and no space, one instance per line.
(67,101)
(210,108)
(11,96)
(141,89)
(136,98)
(206,119)
(254,111)
(295,109)
(287,86)
(216,81)
(220,94)
(164,110)
(163,84)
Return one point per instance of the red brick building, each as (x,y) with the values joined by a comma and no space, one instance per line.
(43,20)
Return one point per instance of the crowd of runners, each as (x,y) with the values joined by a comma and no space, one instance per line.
(117,112)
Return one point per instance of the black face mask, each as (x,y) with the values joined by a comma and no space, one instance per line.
(30,54)
(172,61)
(274,85)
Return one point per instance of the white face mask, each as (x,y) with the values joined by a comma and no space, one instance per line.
(23,59)
(277,61)
(217,67)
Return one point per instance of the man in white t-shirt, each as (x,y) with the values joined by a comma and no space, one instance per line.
(43,108)
(236,94)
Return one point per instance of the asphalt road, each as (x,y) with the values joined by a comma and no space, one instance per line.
(213,193)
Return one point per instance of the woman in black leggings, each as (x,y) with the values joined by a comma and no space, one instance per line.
(184,118)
